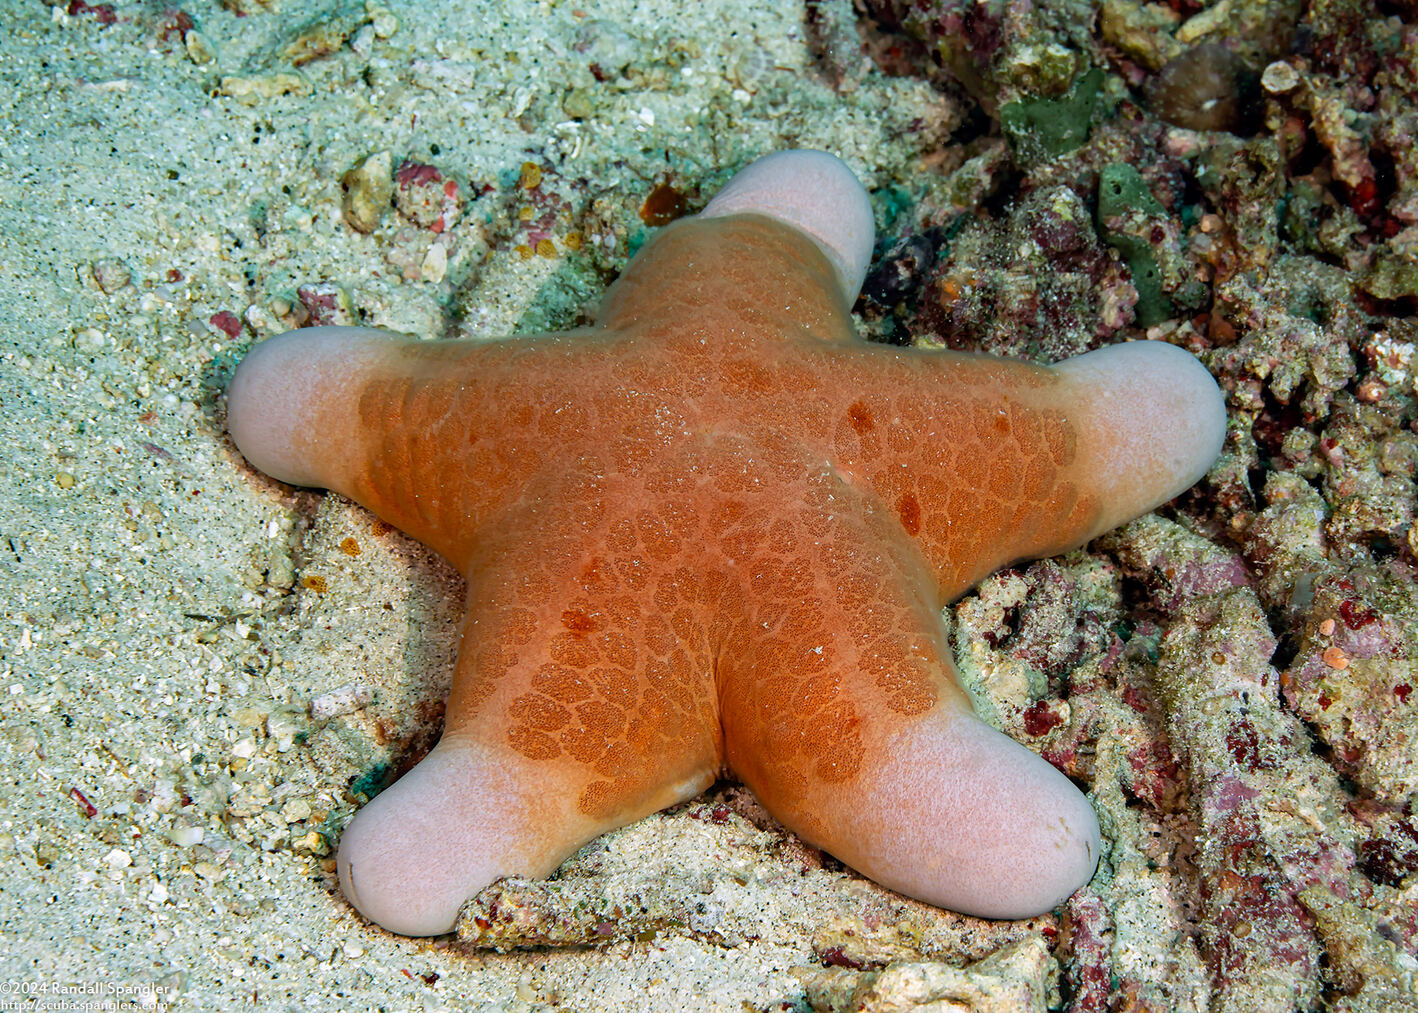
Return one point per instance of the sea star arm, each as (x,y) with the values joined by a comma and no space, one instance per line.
(987,461)
(441,439)
(575,709)
(394,423)
(843,713)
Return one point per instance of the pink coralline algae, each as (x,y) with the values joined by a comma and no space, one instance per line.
(227,322)
(103,13)
(323,303)
(425,197)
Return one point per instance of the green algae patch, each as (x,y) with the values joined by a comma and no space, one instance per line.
(1042,128)
(1126,212)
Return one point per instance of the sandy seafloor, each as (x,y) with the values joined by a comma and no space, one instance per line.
(143,650)
(167,615)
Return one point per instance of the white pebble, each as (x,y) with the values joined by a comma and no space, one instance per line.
(186,836)
(245,749)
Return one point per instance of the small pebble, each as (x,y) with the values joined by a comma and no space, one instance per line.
(426,197)
(384,21)
(368,187)
(243,805)
(209,872)
(245,749)
(283,725)
(90,340)
(577,104)
(435,264)
(280,572)
(345,700)
(295,810)
(325,303)
(111,275)
(316,41)
(252,90)
(311,841)
(199,48)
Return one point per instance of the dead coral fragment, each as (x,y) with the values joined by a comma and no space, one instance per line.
(688,873)
(324,303)
(1015,979)
(338,702)
(251,90)
(1142,31)
(317,40)
(1038,284)
(1354,686)
(520,914)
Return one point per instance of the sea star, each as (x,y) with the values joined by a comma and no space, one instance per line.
(712,534)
